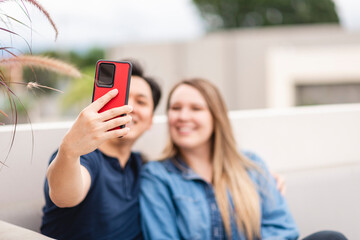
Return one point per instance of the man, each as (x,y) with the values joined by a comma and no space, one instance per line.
(92,184)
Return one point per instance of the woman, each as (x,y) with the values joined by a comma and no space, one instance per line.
(205,188)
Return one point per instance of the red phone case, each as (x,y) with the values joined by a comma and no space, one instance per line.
(122,78)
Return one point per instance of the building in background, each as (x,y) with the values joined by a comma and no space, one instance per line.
(269,67)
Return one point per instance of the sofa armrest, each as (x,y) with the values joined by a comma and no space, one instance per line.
(9,231)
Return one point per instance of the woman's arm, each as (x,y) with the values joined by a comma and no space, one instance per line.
(276,220)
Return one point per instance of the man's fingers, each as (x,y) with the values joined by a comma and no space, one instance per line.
(283,190)
(117,133)
(100,102)
(116,122)
(115,112)
(281,185)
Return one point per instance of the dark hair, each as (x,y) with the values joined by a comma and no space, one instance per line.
(137,70)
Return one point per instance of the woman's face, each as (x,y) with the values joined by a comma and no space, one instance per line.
(190,121)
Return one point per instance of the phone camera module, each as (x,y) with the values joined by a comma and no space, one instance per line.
(106,75)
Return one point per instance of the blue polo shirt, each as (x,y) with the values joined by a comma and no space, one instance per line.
(110,209)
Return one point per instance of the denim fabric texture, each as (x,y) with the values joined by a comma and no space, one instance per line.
(176,203)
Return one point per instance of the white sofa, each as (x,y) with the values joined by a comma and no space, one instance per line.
(315,148)
(10,231)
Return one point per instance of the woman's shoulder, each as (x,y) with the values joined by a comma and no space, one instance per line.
(157,167)
(153,164)
(260,174)
(255,158)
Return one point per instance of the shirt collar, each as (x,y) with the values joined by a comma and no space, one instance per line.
(134,160)
(177,165)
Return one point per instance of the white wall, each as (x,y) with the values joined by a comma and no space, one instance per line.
(289,66)
(315,148)
(254,68)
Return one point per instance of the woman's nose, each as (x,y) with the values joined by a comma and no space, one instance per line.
(184,114)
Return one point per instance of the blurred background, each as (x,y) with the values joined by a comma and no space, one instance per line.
(289,72)
(261,54)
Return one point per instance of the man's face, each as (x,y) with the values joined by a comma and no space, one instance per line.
(140,98)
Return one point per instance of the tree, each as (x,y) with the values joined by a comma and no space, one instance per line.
(251,13)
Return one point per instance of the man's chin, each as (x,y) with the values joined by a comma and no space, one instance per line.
(130,137)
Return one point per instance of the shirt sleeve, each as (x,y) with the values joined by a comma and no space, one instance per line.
(46,184)
(91,163)
(276,219)
(88,161)
(156,206)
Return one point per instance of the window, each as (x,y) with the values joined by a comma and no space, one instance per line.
(317,94)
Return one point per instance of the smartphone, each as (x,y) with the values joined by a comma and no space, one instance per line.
(111,75)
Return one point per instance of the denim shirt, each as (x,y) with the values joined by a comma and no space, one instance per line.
(176,203)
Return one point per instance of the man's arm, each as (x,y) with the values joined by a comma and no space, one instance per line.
(69,181)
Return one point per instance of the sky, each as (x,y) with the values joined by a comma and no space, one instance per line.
(348,11)
(83,23)
(86,23)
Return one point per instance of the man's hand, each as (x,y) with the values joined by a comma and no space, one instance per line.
(91,128)
(280,183)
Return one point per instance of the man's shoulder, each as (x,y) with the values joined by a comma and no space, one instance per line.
(96,154)
(138,156)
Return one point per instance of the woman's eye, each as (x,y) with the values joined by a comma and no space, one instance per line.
(197,108)
(174,108)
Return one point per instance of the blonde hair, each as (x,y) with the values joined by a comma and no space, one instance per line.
(229,166)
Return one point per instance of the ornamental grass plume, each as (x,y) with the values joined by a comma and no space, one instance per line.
(41,9)
(25,60)
(3,113)
(42,62)
(33,62)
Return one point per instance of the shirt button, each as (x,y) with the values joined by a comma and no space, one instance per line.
(213,206)
(216,232)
